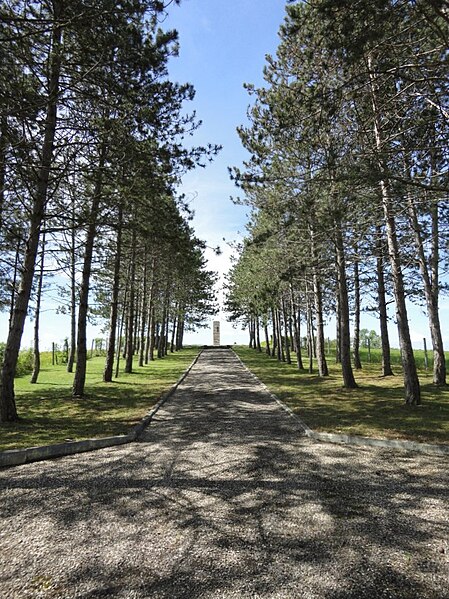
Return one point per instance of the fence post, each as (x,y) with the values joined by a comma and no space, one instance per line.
(53,353)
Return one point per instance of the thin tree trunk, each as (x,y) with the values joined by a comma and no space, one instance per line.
(36,351)
(257,325)
(109,365)
(72,352)
(173,333)
(267,339)
(8,410)
(275,342)
(81,344)
(309,333)
(345,341)
(160,345)
(356,341)
(152,335)
(319,347)
(252,335)
(3,149)
(287,344)
(296,331)
(144,310)
(337,324)
(430,290)
(131,308)
(411,381)
(14,283)
(382,305)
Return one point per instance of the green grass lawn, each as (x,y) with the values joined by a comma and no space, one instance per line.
(375,409)
(48,414)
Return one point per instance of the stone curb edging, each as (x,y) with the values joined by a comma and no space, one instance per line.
(424,448)
(17,457)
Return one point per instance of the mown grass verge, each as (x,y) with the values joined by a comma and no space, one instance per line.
(48,413)
(375,409)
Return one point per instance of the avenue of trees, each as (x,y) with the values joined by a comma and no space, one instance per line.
(92,146)
(347,181)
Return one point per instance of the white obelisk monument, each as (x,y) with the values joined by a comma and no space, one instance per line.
(216,332)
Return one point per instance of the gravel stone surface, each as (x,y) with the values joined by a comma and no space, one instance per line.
(224,498)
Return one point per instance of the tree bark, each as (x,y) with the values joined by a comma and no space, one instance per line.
(257,325)
(267,339)
(72,352)
(345,340)
(411,381)
(296,331)
(109,364)
(431,291)
(36,350)
(356,340)
(3,149)
(81,344)
(286,340)
(275,342)
(131,309)
(382,305)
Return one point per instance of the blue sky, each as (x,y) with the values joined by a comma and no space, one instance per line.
(222,46)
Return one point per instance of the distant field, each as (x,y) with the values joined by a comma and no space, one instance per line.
(50,415)
(376,409)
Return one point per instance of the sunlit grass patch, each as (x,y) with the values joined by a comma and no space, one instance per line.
(375,409)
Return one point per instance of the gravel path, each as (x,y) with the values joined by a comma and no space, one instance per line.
(224,498)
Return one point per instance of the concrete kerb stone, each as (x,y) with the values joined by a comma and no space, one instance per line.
(414,446)
(17,457)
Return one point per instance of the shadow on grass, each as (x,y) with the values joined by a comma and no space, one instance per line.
(375,409)
(49,414)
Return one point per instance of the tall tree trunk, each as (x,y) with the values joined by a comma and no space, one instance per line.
(382,305)
(356,341)
(319,347)
(257,325)
(280,345)
(287,344)
(309,333)
(8,410)
(345,341)
(81,343)
(109,365)
(431,291)
(173,333)
(3,149)
(153,332)
(267,339)
(181,325)
(337,322)
(72,351)
(296,330)
(439,363)
(252,335)
(411,381)
(275,341)
(14,282)
(36,350)
(161,340)
(131,313)
(144,310)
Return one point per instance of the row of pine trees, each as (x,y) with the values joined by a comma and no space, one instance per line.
(92,146)
(348,179)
